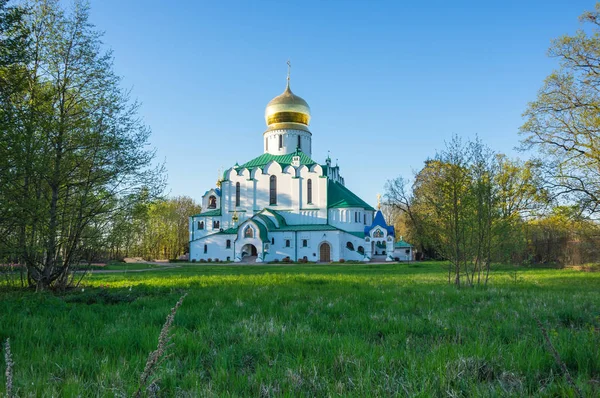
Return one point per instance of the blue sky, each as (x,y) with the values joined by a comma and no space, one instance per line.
(388,82)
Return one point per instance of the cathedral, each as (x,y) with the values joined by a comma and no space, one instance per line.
(283,205)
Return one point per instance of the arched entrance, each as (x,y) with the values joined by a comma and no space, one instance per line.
(325,253)
(249,253)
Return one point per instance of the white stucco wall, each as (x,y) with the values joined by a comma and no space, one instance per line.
(289,142)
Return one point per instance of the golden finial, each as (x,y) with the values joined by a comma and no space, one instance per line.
(289,64)
(235,217)
(378,201)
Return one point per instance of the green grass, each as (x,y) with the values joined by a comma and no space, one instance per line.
(309,330)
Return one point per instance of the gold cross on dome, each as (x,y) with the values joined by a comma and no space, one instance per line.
(289,64)
(378,201)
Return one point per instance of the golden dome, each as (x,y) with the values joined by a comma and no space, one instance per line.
(287,108)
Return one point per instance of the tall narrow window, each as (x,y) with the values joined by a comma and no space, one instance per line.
(273,190)
(365,219)
(280,141)
(309,191)
(237,193)
(205,249)
(228,244)
(200,224)
(299,143)
(212,202)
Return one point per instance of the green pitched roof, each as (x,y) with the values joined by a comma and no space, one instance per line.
(229,231)
(268,222)
(210,213)
(402,244)
(283,160)
(280,219)
(340,196)
(308,227)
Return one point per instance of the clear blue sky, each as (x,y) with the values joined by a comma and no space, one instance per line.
(387,82)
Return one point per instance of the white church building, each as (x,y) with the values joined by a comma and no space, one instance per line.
(285,205)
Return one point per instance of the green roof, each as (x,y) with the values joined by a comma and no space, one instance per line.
(210,213)
(402,244)
(357,234)
(268,222)
(229,231)
(264,236)
(283,160)
(338,196)
(280,219)
(309,227)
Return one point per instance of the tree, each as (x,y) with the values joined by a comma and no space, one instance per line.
(467,205)
(78,147)
(563,123)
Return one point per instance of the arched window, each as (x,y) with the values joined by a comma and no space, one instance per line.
(273,190)
(248,232)
(200,224)
(280,141)
(361,250)
(237,193)
(299,143)
(349,246)
(272,241)
(216,224)
(309,191)
(228,244)
(205,249)
(212,202)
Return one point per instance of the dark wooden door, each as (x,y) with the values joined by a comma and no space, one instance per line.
(325,253)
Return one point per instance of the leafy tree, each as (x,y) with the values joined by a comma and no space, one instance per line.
(563,123)
(76,148)
(468,206)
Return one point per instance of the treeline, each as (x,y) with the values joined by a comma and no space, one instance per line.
(74,154)
(152,231)
(475,207)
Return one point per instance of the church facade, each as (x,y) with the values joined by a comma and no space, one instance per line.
(283,204)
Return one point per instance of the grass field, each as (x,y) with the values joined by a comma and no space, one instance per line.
(309,330)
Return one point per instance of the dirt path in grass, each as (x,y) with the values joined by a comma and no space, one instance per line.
(162,266)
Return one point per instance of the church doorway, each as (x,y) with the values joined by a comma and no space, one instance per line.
(249,253)
(325,253)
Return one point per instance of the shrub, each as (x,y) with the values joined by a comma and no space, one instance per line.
(193,260)
(342,261)
(209,260)
(202,260)
(217,260)
(397,259)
